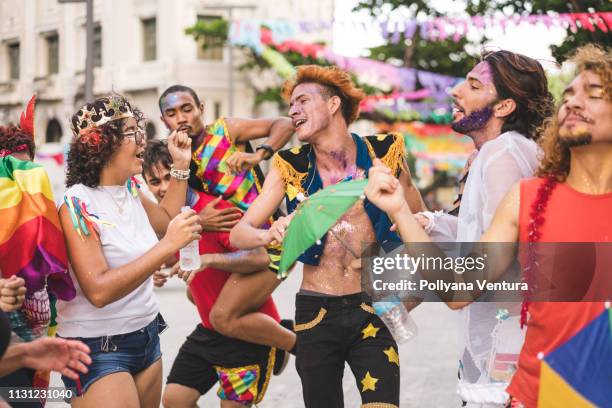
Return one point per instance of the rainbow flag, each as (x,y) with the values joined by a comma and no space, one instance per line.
(579,372)
(31,238)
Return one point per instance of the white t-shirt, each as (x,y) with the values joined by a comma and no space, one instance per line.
(130,236)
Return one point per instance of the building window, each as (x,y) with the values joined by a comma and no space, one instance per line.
(53,54)
(209,48)
(14,54)
(54,131)
(149,37)
(97,45)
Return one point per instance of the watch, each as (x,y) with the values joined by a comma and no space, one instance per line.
(269,151)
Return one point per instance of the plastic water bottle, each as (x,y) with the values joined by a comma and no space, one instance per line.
(393,313)
(189,255)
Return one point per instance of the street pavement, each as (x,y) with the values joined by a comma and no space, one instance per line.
(428,362)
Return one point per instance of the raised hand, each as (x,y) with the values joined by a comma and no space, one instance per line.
(179,145)
(384,190)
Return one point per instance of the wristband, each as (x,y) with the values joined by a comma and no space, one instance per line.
(179,174)
(269,151)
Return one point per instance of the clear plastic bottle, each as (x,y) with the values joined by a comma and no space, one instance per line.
(394,315)
(189,255)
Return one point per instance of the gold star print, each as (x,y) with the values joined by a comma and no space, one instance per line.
(369,382)
(392,355)
(370,331)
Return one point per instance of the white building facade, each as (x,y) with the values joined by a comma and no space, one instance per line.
(140,48)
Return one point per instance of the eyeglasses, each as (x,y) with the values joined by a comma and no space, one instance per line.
(138,135)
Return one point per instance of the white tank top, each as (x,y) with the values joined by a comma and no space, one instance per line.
(130,236)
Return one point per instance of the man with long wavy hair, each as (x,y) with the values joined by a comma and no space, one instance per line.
(569,201)
(500,106)
(335,323)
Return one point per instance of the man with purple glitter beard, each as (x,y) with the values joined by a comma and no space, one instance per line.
(502,102)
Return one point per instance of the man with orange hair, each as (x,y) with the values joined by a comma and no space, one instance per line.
(335,322)
(570,201)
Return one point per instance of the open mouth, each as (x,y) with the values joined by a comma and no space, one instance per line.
(458,112)
(458,109)
(140,155)
(299,122)
(184,128)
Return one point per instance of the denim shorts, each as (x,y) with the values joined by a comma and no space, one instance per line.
(130,352)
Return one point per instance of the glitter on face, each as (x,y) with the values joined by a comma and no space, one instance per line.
(171,101)
(474,121)
(483,73)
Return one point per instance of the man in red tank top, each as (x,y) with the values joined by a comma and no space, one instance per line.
(569,202)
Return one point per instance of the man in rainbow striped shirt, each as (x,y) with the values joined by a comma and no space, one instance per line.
(224,165)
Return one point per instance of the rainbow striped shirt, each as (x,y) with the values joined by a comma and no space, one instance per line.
(210,158)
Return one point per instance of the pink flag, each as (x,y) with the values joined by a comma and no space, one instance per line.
(547,20)
(607,17)
(569,19)
(478,21)
(503,22)
(599,21)
(585,22)
(455,23)
(440,23)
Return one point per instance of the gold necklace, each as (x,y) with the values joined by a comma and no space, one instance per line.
(119,206)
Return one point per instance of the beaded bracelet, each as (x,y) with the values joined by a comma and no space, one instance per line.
(179,174)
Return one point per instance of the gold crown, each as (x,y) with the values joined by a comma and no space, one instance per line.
(101,111)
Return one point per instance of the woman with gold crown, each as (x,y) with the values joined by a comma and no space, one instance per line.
(111,232)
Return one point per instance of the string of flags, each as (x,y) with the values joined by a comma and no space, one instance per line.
(443,28)
(431,29)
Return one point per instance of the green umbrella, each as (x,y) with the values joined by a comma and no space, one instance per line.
(315,216)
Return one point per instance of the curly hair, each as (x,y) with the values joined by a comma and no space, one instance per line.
(91,150)
(556,158)
(12,136)
(523,80)
(335,82)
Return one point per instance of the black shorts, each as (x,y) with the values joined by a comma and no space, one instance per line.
(332,330)
(242,369)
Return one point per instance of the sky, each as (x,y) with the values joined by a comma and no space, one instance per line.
(351,39)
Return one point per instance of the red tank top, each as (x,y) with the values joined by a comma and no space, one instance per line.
(207,285)
(570,216)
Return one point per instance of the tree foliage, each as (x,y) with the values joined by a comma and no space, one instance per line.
(444,57)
